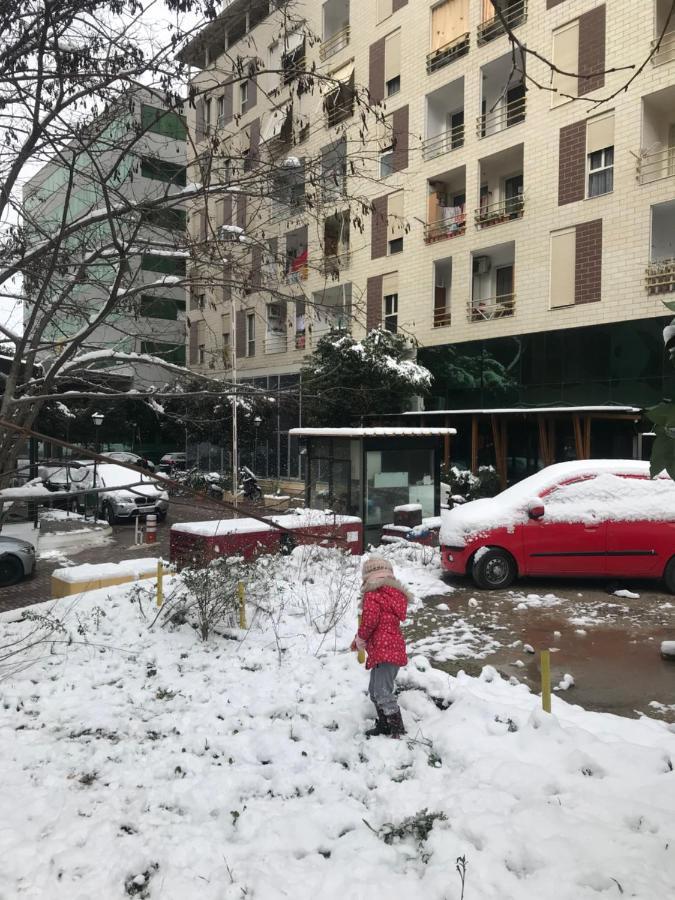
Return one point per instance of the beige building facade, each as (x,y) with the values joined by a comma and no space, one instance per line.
(486,203)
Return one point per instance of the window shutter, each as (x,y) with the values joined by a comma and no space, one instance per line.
(591,45)
(200,126)
(488,11)
(378,235)
(376,71)
(563,267)
(389,284)
(240,336)
(256,267)
(194,343)
(252,94)
(600,132)
(384,9)
(392,56)
(373,302)
(395,216)
(398,4)
(565,57)
(401,138)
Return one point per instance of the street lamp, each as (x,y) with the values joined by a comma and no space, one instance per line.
(97,419)
(257,422)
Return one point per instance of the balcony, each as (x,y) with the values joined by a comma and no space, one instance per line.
(666,26)
(502,97)
(335,28)
(446,200)
(502,211)
(656,158)
(452,224)
(445,120)
(276,342)
(331,266)
(498,307)
(332,309)
(514,13)
(660,277)
(656,165)
(339,96)
(448,53)
(504,116)
(442,288)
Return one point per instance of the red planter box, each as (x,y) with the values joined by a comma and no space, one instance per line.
(200,542)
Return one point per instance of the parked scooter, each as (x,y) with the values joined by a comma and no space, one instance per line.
(249,485)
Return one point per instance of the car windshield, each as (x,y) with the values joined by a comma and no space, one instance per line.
(118,476)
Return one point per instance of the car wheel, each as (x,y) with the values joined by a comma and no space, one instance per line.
(493,569)
(669,576)
(109,514)
(11,570)
(287,544)
(160,515)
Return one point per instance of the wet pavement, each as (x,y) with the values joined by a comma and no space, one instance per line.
(610,645)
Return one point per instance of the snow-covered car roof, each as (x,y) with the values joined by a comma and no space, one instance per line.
(610,497)
(118,476)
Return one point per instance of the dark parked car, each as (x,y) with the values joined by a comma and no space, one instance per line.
(17,560)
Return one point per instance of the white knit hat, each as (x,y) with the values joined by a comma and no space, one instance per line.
(378,566)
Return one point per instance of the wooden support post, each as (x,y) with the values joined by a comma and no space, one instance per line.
(551,442)
(543,440)
(587,437)
(546,680)
(500,462)
(578,437)
(474,445)
(242,604)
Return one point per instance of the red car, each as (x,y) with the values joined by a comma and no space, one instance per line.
(590,518)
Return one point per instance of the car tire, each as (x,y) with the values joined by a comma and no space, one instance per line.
(287,544)
(161,516)
(669,576)
(109,514)
(11,570)
(493,570)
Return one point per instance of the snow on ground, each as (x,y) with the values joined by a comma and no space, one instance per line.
(139,761)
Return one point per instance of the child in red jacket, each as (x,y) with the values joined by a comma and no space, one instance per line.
(385,605)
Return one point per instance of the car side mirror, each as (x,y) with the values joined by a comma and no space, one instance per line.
(535,509)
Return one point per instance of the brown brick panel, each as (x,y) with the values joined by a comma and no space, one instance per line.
(241,210)
(401,131)
(378,228)
(374,302)
(572,163)
(254,145)
(256,267)
(398,4)
(194,346)
(240,333)
(227,211)
(592,50)
(228,104)
(588,262)
(376,71)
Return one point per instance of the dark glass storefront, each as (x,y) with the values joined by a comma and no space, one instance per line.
(618,363)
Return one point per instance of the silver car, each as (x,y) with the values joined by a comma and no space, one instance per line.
(17,560)
(124,494)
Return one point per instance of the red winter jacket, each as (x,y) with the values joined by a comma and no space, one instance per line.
(384,608)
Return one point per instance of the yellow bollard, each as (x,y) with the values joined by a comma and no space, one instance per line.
(160,582)
(242,604)
(362,653)
(546,681)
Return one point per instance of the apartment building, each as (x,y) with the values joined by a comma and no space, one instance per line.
(526,224)
(140,152)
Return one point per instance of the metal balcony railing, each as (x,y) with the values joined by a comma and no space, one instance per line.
(332,265)
(504,116)
(276,342)
(334,44)
(448,227)
(514,14)
(441,318)
(501,211)
(452,139)
(666,52)
(655,165)
(448,53)
(660,277)
(491,308)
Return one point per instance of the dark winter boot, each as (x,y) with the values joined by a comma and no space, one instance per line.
(395,725)
(381,726)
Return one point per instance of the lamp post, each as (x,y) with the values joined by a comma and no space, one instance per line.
(97,419)
(257,422)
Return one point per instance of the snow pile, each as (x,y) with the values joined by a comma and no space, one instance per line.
(139,761)
(597,494)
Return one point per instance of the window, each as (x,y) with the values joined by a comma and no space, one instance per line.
(243,97)
(250,334)
(221,109)
(392,63)
(200,300)
(334,169)
(201,356)
(601,172)
(207,114)
(161,121)
(163,170)
(293,59)
(566,58)
(168,265)
(391,312)
(396,246)
(386,161)
(339,95)
(299,324)
(161,308)
(173,353)
(395,222)
(171,219)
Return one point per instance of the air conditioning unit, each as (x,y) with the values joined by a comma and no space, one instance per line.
(481,265)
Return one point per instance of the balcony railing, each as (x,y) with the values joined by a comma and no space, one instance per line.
(334,44)
(441,318)
(275,342)
(656,165)
(452,139)
(666,52)
(505,116)
(501,211)
(491,308)
(660,277)
(448,227)
(514,15)
(448,53)
(331,266)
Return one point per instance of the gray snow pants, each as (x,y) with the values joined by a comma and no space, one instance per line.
(381,687)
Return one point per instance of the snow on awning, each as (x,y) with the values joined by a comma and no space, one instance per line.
(633,410)
(343,75)
(371,432)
